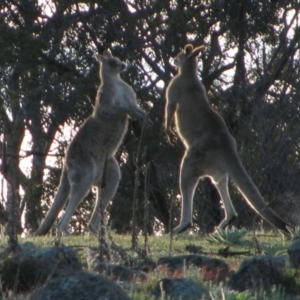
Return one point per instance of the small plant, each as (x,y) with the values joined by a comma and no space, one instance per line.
(294,232)
(272,250)
(279,293)
(232,236)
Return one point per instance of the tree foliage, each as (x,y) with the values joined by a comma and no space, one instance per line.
(48,80)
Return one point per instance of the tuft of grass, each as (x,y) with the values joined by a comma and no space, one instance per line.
(279,293)
(225,294)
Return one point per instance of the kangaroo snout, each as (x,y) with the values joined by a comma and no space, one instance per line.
(123,66)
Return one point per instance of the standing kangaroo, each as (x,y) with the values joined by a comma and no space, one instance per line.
(96,142)
(210,150)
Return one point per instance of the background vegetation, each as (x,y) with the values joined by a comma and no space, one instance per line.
(49,77)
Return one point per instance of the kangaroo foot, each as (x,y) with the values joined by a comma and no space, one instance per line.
(226,222)
(182,228)
(92,229)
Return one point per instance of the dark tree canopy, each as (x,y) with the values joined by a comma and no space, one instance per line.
(49,77)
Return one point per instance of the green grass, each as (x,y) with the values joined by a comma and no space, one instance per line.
(159,246)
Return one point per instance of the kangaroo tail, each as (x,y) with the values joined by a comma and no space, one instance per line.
(252,195)
(57,205)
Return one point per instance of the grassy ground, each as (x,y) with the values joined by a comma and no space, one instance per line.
(159,246)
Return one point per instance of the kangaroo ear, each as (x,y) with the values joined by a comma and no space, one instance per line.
(107,54)
(188,49)
(197,50)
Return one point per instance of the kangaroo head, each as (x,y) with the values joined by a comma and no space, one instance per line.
(188,54)
(110,64)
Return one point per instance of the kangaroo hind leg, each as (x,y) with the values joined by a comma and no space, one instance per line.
(81,181)
(230,213)
(112,178)
(189,179)
(57,205)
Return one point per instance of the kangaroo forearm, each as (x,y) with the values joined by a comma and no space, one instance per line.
(114,110)
(136,113)
(167,122)
(169,114)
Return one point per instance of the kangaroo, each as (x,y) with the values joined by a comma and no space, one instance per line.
(210,150)
(95,145)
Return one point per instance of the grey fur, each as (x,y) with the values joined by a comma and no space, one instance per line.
(210,148)
(99,136)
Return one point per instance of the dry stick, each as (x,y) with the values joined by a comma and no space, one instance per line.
(58,239)
(101,235)
(146,205)
(254,237)
(171,227)
(138,163)
(134,236)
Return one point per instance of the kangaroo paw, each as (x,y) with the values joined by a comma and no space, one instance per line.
(182,228)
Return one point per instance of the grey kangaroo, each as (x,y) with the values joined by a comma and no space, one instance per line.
(97,139)
(210,150)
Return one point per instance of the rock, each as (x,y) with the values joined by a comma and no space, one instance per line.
(32,267)
(28,246)
(294,254)
(179,288)
(173,263)
(113,271)
(79,286)
(119,273)
(215,270)
(92,256)
(211,268)
(258,273)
